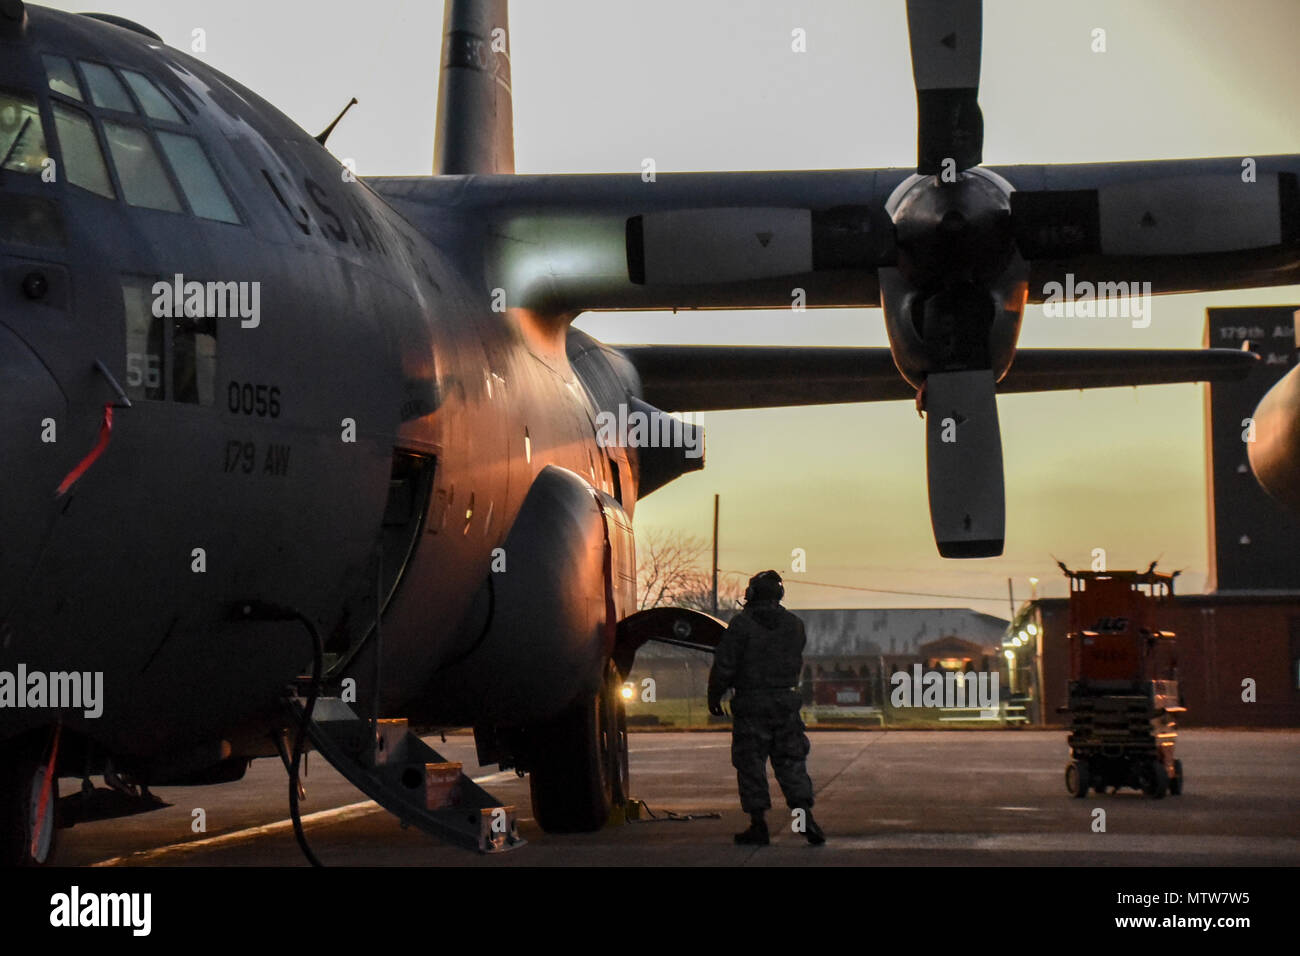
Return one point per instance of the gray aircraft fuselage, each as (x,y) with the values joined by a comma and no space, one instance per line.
(376,418)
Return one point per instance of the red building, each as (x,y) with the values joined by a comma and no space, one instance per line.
(1230,647)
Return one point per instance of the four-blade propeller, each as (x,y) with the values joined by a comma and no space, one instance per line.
(958,280)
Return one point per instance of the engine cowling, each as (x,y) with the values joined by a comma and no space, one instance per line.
(954,300)
(1275,452)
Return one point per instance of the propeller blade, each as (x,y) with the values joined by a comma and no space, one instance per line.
(963,460)
(945,41)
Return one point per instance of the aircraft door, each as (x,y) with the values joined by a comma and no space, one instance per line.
(410,489)
(35,462)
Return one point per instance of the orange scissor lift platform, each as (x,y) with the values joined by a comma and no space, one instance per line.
(1123,691)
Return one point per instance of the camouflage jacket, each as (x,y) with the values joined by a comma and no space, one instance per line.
(761,651)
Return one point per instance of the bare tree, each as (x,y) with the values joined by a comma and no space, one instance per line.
(672,572)
(666,560)
(698,595)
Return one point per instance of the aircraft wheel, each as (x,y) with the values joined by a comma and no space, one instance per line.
(578,768)
(25,839)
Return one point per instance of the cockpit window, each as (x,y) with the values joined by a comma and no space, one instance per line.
(198,179)
(106,89)
(139,170)
(22,137)
(156,105)
(83,163)
(157,165)
(63,78)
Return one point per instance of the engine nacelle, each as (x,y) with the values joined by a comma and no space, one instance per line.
(955,299)
(1275,452)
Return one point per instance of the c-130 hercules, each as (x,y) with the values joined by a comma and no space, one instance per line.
(259,412)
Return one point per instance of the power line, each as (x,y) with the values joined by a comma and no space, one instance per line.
(851,587)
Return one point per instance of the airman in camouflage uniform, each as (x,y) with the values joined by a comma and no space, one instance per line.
(761,656)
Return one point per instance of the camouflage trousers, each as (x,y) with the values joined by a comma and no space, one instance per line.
(767,726)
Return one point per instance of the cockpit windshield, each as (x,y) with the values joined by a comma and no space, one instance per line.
(22,137)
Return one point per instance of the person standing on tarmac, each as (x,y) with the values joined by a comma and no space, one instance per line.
(761,657)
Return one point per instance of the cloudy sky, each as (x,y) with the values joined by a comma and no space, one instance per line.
(714,85)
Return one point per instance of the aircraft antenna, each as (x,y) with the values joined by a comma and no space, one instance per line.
(325,133)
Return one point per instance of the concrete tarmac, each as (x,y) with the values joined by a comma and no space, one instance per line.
(909,798)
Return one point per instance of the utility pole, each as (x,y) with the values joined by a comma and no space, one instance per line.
(1011,599)
(715,555)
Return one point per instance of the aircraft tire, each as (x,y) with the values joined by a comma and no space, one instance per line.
(577,775)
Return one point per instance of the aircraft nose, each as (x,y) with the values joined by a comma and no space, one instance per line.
(34,410)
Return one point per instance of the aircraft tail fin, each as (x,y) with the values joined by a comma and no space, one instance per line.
(475,131)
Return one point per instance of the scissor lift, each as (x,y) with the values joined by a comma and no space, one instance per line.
(1123,690)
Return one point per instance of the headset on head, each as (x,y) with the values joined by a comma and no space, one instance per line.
(768,582)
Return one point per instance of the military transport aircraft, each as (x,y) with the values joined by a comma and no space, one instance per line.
(260,413)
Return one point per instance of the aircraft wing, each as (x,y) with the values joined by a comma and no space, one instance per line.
(701,378)
(951,249)
(563,244)
(1182,225)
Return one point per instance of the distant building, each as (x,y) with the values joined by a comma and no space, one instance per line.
(1224,641)
(852,652)
(871,632)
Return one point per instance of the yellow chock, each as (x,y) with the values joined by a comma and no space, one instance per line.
(632,810)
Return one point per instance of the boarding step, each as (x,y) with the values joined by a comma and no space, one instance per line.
(408,778)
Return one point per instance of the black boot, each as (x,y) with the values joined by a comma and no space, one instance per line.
(756,835)
(812,832)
